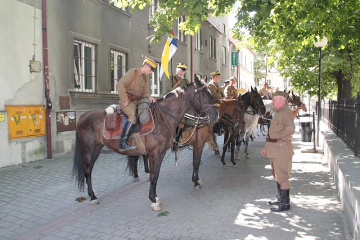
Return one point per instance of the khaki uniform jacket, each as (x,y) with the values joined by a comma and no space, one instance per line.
(138,89)
(230,92)
(282,127)
(216,91)
(182,82)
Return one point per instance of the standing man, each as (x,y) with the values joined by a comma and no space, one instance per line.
(279,150)
(217,94)
(230,91)
(179,81)
(132,88)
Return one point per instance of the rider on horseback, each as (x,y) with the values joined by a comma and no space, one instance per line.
(132,88)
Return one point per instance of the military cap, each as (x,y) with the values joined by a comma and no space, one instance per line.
(215,73)
(182,66)
(150,63)
(282,94)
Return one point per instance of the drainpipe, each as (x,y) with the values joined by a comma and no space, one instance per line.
(191,58)
(46,80)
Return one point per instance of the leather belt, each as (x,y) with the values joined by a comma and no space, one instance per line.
(273,140)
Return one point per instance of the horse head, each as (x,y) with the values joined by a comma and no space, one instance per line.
(202,101)
(294,100)
(257,101)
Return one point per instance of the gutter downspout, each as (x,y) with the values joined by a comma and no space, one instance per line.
(46,80)
(191,58)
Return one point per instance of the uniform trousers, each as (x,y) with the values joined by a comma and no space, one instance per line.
(281,170)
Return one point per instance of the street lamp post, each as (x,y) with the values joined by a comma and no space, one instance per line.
(319,45)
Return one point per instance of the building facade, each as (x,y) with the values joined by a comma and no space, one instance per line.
(57,67)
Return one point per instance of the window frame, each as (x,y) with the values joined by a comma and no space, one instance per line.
(114,74)
(81,65)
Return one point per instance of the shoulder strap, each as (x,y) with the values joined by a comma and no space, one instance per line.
(132,84)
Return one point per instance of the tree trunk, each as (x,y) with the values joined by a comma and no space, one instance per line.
(344,85)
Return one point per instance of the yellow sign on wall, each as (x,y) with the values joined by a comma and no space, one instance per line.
(26,121)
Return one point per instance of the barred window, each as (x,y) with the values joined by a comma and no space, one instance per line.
(84,66)
(118,68)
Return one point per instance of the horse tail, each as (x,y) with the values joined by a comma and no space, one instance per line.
(131,167)
(79,165)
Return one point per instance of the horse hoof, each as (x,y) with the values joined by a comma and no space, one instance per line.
(235,166)
(94,202)
(200,183)
(224,166)
(158,201)
(155,207)
(136,179)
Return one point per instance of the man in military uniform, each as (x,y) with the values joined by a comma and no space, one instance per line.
(178,81)
(279,150)
(230,91)
(132,88)
(217,94)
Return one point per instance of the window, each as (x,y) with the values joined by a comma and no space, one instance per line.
(84,66)
(181,34)
(198,45)
(116,3)
(155,82)
(155,5)
(223,56)
(212,48)
(118,68)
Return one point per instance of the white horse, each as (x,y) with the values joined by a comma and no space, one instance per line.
(251,120)
(266,119)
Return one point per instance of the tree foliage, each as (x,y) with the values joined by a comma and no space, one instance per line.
(288,29)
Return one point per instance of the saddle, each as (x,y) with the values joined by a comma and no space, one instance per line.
(114,122)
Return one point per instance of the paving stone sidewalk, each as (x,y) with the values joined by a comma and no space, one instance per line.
(38,200)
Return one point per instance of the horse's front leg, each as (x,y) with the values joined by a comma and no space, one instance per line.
(232,147)
(225,147)
(155,164)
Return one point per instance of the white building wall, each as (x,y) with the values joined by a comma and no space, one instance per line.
(18,85)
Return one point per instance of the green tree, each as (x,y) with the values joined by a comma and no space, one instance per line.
(289,28)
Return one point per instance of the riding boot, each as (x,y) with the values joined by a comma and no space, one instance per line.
(284,204)
(176,145)
(125,136)
(276,201)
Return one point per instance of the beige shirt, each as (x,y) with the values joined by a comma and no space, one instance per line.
(216,91)
(139,88)
(282,128)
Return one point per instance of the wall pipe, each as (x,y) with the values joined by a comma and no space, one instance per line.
(46,79)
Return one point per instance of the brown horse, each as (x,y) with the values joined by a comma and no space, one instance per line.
(168,113)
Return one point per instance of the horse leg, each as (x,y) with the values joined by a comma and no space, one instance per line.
(226,135)
(155,160)
(89,160)
(232,144)
(247,136)
(197,152)
(146,166)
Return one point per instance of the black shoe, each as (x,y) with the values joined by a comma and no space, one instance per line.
(125,136)
(277,200)
(284,204)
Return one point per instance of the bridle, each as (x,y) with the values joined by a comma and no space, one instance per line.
(200,120)
(254,106)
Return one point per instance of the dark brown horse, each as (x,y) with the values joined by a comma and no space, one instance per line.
(168,113)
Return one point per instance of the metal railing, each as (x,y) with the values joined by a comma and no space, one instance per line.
(343,117)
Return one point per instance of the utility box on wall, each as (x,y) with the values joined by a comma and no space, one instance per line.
(26,121)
